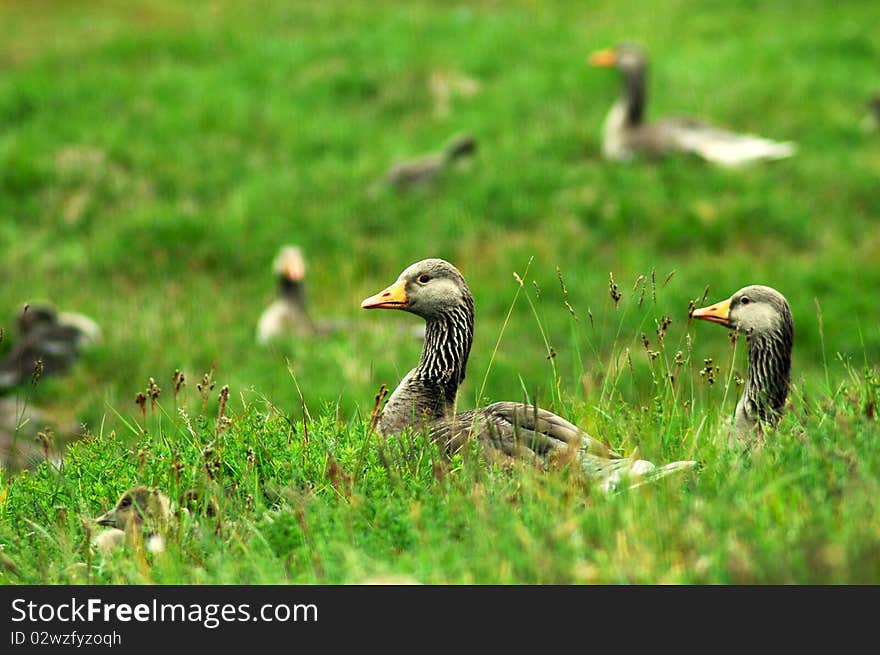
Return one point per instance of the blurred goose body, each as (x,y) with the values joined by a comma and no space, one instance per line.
(51,337)
(140,515)
(763,315)
(425,399)
(424,170)
(627,133)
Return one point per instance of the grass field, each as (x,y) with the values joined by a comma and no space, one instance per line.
(154,155)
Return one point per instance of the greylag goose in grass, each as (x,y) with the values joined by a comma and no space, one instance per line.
(425,170)
(763,315)
(436,291)
(627,133)
(47,336)
(141,515)
(287,315)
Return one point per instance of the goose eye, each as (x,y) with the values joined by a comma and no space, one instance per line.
(745,300)
(424,279)
(125,502)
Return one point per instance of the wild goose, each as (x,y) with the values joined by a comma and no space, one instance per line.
(763,315)
(287,315)
(425,170)
(46,335)
(626,133)
(141,515)
(436,291)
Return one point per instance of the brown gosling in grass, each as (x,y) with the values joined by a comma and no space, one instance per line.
(763,315)
(425,399)
(141,516)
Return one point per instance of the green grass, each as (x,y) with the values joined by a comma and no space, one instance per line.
(154,156)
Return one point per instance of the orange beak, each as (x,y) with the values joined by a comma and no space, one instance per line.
(603,58)
(717,313)
(293,271)
(394,297)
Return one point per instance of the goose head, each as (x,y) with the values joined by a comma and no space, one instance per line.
(626,57)
(290,266)
(431,288)
(754,310)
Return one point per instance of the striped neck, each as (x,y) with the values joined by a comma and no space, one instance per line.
(769,374)
(448,338)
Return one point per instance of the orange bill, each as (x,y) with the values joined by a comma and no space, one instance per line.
(717,313)
(603,58)
(394,297)
(294,270)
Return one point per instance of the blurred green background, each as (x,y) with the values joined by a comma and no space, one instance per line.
(154,155)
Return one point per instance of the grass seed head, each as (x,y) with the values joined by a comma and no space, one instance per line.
(153,392)
(140,399)
(38,371)
(612,288)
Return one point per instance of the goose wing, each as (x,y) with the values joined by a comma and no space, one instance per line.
(719,145)
(528,432)
(515,429)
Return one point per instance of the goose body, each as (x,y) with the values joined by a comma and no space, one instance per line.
(425,399)
(764,316)
(49,336)
(626,133)
(424,170)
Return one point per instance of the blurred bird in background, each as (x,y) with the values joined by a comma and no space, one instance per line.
(426,170)
(47,343)
(287,315)
(627,133)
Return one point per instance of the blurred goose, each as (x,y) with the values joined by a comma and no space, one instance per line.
(46,335)
(287,315)
(626,133)
(436,291)
(424,170)
(764,316)
(141,513)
